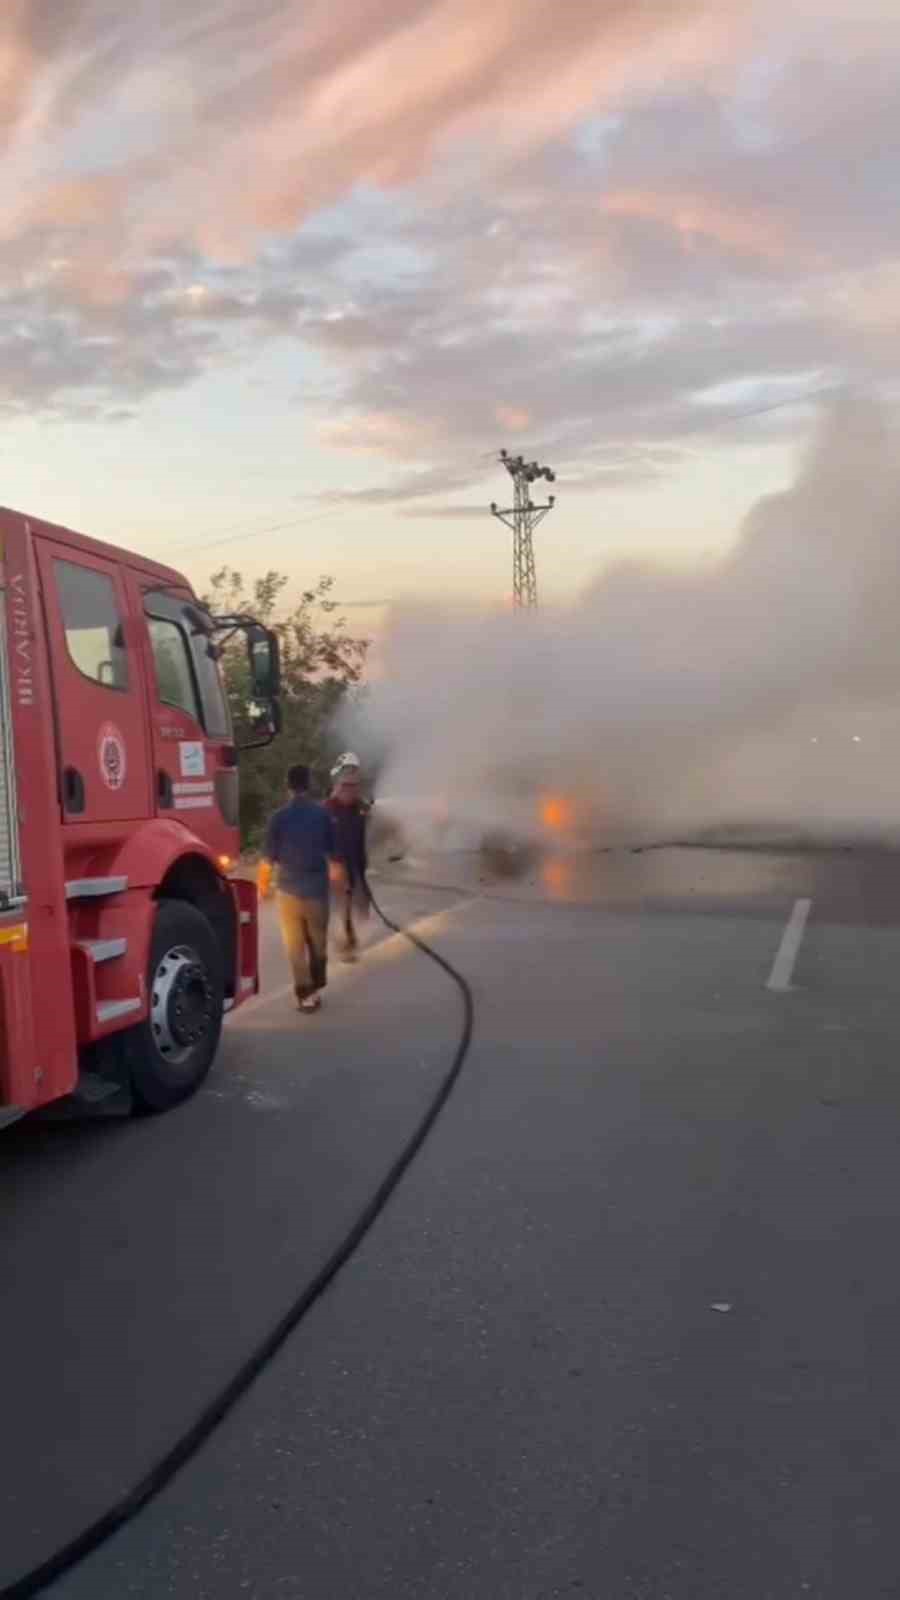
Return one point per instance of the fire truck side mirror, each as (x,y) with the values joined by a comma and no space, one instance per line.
(265,684)
(265,674)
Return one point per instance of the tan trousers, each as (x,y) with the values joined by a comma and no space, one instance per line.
(304,929)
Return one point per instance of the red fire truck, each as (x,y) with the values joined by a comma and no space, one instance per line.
(123,939)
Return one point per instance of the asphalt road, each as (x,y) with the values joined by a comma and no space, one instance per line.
(627,1331)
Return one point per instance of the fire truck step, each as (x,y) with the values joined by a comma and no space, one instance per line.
(92,888)
(93,1089)
(93,1096)
(109,1010)
(104,949)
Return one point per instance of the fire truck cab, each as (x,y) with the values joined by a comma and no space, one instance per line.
(123,939)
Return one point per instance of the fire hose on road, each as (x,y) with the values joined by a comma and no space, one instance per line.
(54,1567)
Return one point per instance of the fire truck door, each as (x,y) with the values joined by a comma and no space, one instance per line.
(98,691)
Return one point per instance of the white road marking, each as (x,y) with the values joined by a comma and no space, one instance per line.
(383,950)
(782,967)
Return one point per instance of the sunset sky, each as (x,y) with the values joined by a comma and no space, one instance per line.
(277,277)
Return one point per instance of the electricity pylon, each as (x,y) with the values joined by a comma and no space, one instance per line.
(523,517)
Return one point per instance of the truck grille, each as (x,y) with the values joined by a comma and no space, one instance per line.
(11,892)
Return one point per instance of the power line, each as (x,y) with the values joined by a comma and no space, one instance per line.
(525,581)
(228,527)
(774,405)
(258,533)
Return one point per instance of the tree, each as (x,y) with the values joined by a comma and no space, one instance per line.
(321,665)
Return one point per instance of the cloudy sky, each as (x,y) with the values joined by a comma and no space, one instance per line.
(277,276)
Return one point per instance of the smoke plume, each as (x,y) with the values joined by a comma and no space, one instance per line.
(763,691)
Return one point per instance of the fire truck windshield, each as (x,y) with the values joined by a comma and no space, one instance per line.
(187,665)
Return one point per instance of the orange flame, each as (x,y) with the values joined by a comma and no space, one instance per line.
(556,813)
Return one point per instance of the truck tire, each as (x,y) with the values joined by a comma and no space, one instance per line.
(170,1053)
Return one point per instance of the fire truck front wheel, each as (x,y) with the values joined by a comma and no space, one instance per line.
(171,1053)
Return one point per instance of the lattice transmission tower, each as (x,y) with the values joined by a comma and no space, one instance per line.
(523,517)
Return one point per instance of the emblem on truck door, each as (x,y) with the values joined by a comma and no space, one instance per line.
(111,756)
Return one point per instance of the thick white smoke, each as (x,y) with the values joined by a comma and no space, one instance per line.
(765,690)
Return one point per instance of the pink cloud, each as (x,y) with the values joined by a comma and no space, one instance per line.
(256,120)
(694,217)
(386,433)
(18,68)
(732,156)
(513,418)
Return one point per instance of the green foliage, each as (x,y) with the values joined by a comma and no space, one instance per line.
(321,665)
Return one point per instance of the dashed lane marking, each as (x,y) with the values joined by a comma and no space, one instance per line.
(779,978)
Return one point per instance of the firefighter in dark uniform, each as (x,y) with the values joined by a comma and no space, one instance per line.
(349,813)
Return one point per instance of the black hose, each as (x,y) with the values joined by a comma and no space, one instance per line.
(164,1470)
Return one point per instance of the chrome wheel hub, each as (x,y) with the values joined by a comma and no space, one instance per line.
(181,1003)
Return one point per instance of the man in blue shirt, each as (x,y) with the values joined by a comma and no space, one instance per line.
(300,844)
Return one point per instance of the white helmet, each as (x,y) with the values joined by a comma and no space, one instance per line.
(348,761)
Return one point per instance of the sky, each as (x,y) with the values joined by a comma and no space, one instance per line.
(278,278)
